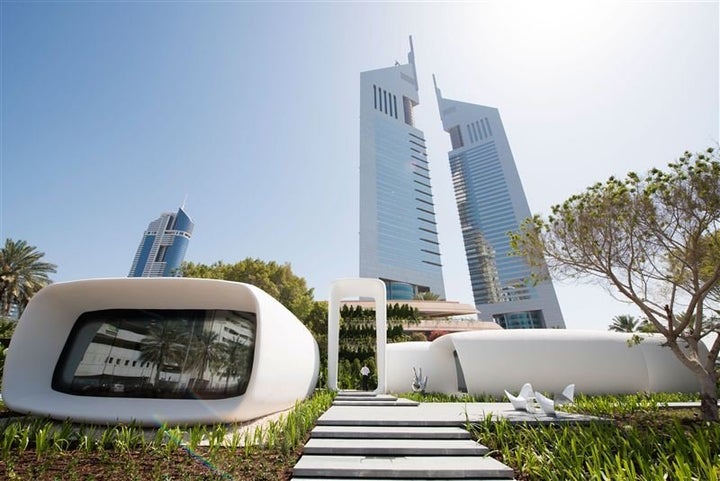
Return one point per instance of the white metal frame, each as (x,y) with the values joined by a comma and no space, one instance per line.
(357,287)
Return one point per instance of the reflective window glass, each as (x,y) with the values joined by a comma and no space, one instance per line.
(168,354)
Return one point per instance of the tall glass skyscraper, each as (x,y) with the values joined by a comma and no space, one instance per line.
(398,233)
(162,248)
(491,202)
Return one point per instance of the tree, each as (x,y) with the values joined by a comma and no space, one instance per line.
(654,240)
(164,344)
(235,360)
(624,323)
(205,351)
(418,336)
(646,327)
(7,328)
(435,334)
(22,274)
(427,296)
(710,260)
(276,279)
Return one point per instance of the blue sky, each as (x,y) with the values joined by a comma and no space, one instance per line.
(113,112)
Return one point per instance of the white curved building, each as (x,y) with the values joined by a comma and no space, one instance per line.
(157,350)
(488,362)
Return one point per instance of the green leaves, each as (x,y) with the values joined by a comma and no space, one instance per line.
(22,274)
(642,444)
(278,280)
(652,238)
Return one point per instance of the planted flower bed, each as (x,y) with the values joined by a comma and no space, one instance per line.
(32,448)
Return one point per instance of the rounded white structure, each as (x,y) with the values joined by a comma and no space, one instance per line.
(488,362)
(157,350)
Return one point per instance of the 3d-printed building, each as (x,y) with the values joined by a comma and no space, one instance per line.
(157,350)
(488,362)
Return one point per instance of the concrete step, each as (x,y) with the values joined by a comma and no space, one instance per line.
(395,447)
(401,467)
(398,402)
(365,398)
(425,414)
(388,479)
(357,393)
(389,432)
(358,421)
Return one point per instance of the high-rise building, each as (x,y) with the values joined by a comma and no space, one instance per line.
(491,202)
(162,248)
(398,233)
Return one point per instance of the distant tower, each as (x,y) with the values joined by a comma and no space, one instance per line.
(491,202)
(162,248)
(398,233)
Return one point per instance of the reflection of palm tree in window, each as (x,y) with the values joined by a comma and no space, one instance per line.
(205,351)
(164,344)
(235,359)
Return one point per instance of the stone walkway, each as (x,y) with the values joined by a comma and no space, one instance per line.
(380,437)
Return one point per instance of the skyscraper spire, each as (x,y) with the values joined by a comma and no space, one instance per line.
(398,233)
(411,61)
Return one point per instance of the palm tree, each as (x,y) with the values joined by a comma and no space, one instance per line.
(205,351)
(646,327)
(164,344)
(22,274)
(235,359)
(624,323)
(427,296)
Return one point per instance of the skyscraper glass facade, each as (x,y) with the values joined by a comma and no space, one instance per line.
(491,202)
(163,246)
(398,233)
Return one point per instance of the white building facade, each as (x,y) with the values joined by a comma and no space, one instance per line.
(491,202)
(398,233)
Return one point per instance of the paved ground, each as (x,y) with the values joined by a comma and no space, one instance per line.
(437,414)
(363,436)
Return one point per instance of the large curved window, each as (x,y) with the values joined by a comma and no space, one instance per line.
(158,353)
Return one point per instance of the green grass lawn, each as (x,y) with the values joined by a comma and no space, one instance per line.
(637,440)
(655,444)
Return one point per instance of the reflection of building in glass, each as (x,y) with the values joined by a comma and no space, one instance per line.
(491,202)
(481,253)
(398,233)
(163,245)
(158,353)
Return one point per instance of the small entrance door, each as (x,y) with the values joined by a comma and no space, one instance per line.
(359,287)
(462,387)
